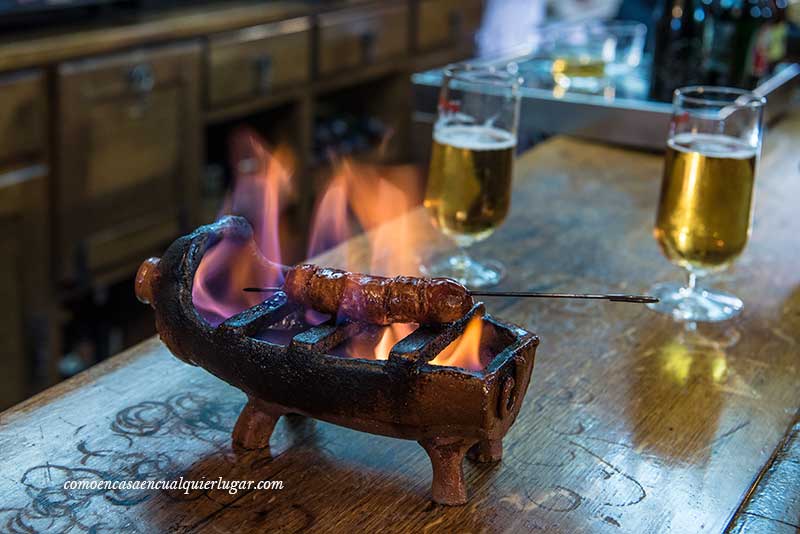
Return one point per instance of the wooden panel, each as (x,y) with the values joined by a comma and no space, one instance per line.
(354,38)
(130,146)
(22,117)
(14,380)
(259,60)
(132,240)
(24,281)
(25,326)
(632,423)
(128,140)
(443,23)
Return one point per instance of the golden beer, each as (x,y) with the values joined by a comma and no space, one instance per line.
(578,67)
(705,207)
(469,184)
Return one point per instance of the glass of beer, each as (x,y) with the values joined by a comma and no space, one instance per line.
(469,182)
(705,207)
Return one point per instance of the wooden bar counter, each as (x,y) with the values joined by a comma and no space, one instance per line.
(632,423)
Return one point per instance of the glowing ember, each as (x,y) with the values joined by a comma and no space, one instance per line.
(466,350)
(360,199)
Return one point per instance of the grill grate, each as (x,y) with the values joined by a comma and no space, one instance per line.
(276,315)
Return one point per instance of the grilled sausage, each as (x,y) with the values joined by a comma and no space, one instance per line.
(376,299)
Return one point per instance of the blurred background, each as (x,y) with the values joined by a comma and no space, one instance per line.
(119,121)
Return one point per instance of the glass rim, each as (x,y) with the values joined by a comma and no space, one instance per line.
(628,26)
(630,23)
(693,94)
(502,77)
(610,26)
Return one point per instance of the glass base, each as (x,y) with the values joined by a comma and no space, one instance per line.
(702,305)
(465,270)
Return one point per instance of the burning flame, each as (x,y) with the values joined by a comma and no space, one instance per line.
(466,350)
(225,269)
(372,198)
(376,345)
(262,181)
(368,197)
(360,200)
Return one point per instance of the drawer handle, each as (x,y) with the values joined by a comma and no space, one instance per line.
(456,22)
(263,67)
(368,40)
(141,78)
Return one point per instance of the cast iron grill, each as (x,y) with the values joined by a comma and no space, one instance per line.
(285,366)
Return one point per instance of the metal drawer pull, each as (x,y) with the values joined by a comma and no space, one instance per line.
(142,79)
(368,40)
(264,73)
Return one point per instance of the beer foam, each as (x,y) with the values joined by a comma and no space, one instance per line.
(712,145)
(474,137)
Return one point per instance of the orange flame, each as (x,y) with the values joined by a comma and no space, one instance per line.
(466,350)
(360,195)
(364,197)
(376,345)
(360,199)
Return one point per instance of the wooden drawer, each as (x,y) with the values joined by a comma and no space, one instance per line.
(23,106)
(258,60)
(128,143)
(128,243)
(354,38)
(444,23)
(15,378)
(24,280)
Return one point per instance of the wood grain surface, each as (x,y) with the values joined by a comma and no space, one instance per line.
(632,423)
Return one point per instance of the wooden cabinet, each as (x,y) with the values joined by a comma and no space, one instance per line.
(22,118)
(24,265)
(128,145)
(447,23)
(25,326)
(355,38)
(258,61)
(103,137)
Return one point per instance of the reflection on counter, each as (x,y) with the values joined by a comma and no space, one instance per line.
(684,372)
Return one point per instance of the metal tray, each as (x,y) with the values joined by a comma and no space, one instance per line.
(620,113)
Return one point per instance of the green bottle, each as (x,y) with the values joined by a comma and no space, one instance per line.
(748,38)
(679,47)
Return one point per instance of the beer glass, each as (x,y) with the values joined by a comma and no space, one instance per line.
(469,182)
(705,207)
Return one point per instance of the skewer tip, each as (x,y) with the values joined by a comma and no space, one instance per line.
(641,299)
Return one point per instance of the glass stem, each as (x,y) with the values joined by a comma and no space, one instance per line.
(691,284)
(460,259)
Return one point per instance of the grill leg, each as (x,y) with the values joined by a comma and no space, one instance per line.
(487,450)
(255,424)
(447,457)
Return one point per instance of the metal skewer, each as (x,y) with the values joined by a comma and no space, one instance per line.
(640,299)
